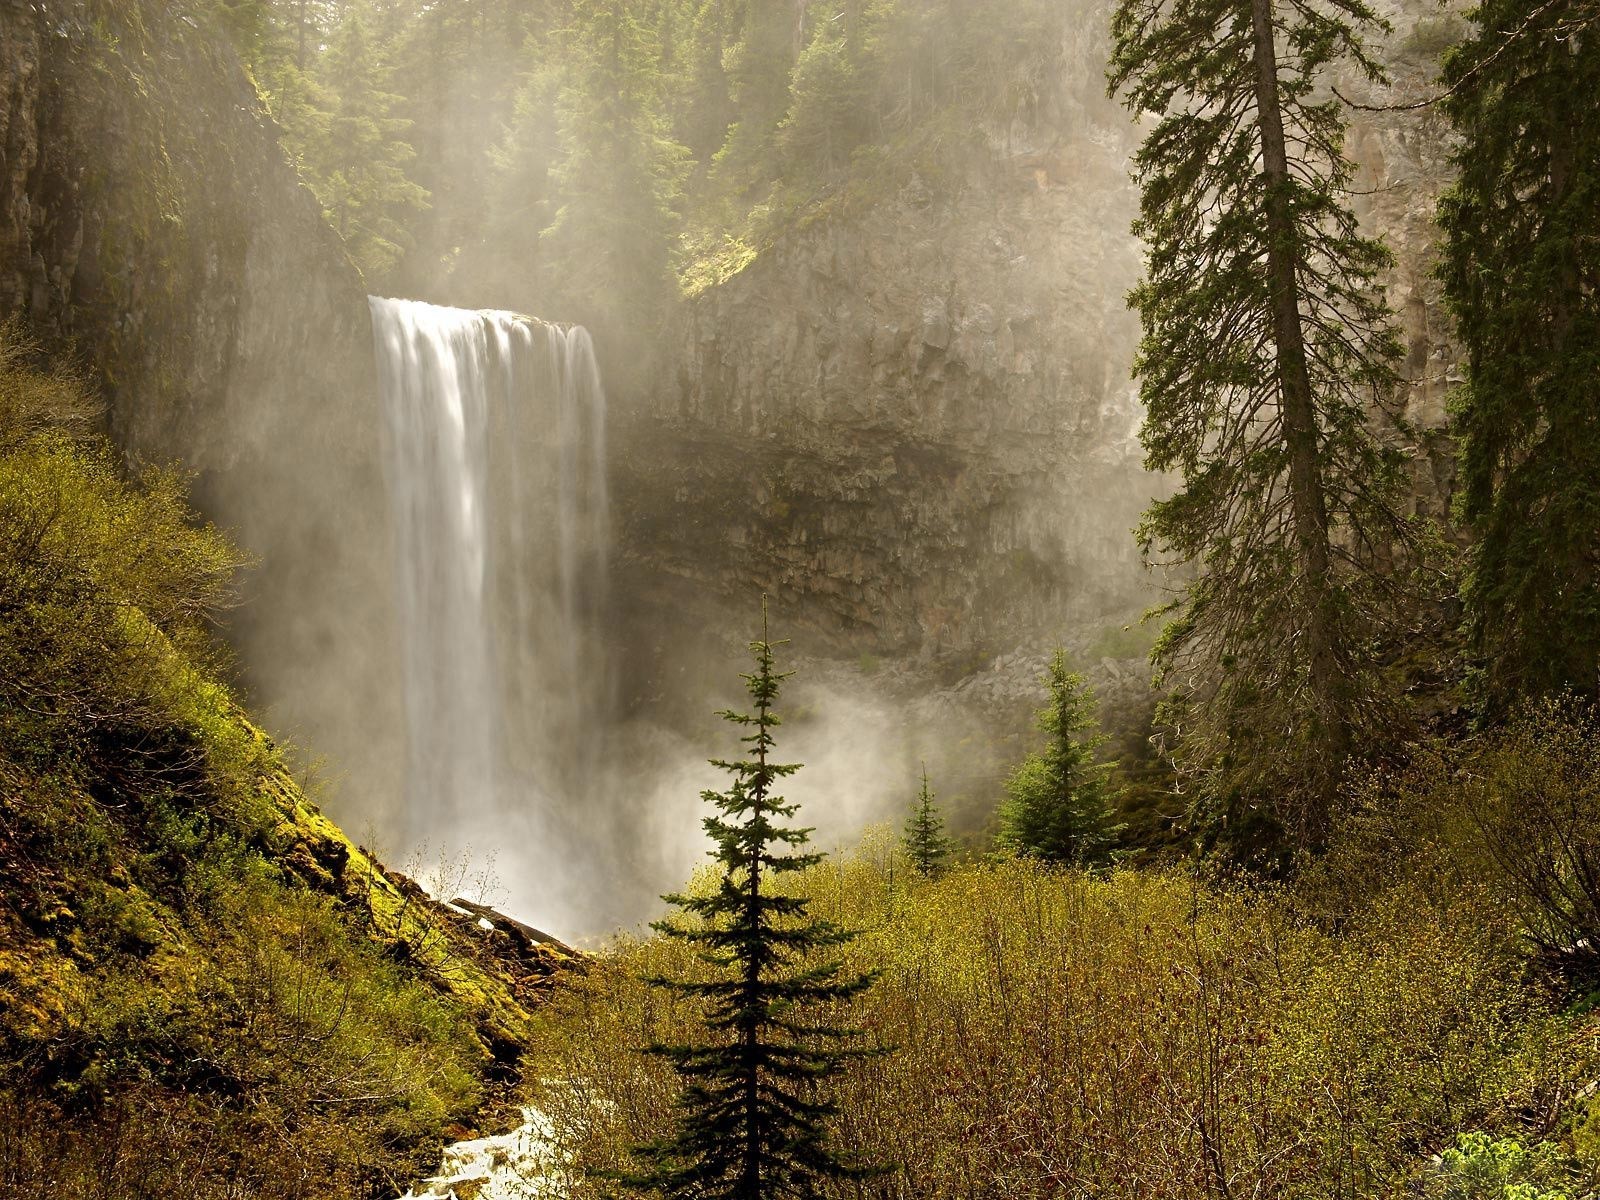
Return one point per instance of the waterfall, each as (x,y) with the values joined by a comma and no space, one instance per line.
(494,451)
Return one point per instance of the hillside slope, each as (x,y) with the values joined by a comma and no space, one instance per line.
(206,989)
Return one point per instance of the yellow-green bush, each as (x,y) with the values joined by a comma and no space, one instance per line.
(106,587)
(190,1004)
(1056,1034)
(1506,822)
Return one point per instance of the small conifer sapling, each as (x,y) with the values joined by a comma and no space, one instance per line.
(1059,803)
(752,1120)
(924,839)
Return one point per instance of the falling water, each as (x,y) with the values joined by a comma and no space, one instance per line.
(494,428)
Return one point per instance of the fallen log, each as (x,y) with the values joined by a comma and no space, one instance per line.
(497,918)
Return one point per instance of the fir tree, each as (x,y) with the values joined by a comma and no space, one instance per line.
(829,107)
(1059,803)
(925,840)
(358,158)
(618,174)
(758,68)
(751,1122)
(1521,269)
(1266,363)
(707,107)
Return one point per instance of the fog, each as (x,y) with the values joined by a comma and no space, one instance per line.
(495,616)
(522,774)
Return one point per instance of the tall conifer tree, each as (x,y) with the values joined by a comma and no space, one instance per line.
(752,1125)
(618,173)
(357,153)
(1521,269)
(759,65)
(1267,352)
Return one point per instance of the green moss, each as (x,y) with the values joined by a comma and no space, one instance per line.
(183,934)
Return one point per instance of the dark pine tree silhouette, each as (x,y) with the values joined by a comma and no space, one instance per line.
(1268,376)
(752,1114)
(1520,264)
(924,838)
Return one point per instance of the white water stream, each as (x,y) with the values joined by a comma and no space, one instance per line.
(520,1165)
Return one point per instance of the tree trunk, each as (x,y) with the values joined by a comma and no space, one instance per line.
(1308,502)
(750,1184)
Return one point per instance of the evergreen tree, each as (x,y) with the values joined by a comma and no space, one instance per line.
(1266,363)
(925,840)
(607,253)
(277,41)
(1521,269)
(358,160)
(758,68)
(521,198)
(707,107)
(462,64)
(829,104)
(751,1123)
(1059,803)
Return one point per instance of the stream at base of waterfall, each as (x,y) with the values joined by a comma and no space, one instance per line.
(520,1165)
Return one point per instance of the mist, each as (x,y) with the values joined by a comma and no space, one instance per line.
(909,425)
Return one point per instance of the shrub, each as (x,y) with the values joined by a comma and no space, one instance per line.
(1479,1167)
(1136,1035)
(1507,823)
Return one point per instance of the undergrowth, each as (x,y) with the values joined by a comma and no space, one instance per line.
(205,990)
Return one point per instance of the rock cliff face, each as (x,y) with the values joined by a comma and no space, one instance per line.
(150,222)
(910,419)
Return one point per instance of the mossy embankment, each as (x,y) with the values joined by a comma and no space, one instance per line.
(206,988)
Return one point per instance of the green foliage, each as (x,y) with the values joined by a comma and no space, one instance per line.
(925,842)
(1265,368)
(1059,804)
(357,159)
(1521,259)
(1514,812)
(751,1121)
(322,74)
(758,69)
(618,173)
(827,110)
(1479,1167)
(703,106)
(1139,1034)
(106,591)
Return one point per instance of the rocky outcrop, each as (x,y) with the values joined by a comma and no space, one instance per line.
(1403,157)
(151,224)
(910,419)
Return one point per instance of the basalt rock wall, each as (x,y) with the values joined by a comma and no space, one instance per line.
(910,419)
(151,225)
